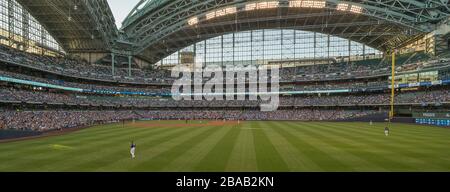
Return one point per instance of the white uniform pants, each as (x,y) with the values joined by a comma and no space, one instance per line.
(132,152)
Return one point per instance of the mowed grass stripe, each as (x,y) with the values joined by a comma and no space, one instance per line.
(88,147)
(401,131)
(189,160)
(367,131)
(98,153)
(119,159)
(38,141)
(149,151)
(408,131)
(359,160)
(267,157)
(295,159)
(243,157)
(217,158)
(41,153)
(71,139)
(337,159)
(421,148)
(147,148)
(62,159)
(419,131)
(258,146)
(305,145)
(160,161)
(406,159)
(428,150)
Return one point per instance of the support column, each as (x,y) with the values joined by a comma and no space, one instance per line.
(179,57)
(296,63)
(129,65)
(43,39)
(11,22)
(281,47)
(205,51)
(328,49)
(349,50)
(315,46)
(392,102)
(25,29)
(113,64)
(264,46)
(195,54)
(234,64)
(295,48)
(364,52)
(221,52)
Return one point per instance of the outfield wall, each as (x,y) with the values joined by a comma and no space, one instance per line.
(381,117)
(13,134)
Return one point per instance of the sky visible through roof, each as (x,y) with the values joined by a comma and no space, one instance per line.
(121,8)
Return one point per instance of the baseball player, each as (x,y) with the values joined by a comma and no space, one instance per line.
(133,150)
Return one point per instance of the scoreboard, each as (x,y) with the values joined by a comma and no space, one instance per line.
(438,119)
(438,122)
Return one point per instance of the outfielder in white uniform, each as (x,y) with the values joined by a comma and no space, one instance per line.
(133,150)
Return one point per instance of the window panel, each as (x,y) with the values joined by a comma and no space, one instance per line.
(260,47)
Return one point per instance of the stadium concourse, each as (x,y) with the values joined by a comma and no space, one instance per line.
(65,65)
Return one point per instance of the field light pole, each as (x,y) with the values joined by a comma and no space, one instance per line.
(391,113)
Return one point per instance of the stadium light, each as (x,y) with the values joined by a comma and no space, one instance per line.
(221,12)
(307,4)
(210,15)
(356,9)
(231,10)
(350,8)
(295,3)
(319,4)
(250,7)
(193,21)
(272,4)
(342,7)
(262,5)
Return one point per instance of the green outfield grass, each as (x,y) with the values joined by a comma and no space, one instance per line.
(249,146)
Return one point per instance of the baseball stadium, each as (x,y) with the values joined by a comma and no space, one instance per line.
(224,86)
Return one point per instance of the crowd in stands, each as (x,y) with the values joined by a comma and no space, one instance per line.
(62,119)
(335,85)
(342,70)
(297,114)
(167,89)
(167,108)
(159,90)
(58,119)
(423,65)
(364,68)
(332,71)
(21,95)
(80,68)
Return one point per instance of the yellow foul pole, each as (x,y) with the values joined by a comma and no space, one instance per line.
(391,113)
